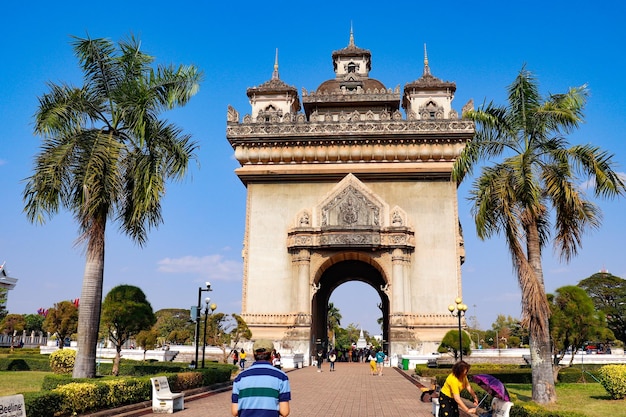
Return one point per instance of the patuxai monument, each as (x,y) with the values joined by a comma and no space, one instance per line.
(350,182)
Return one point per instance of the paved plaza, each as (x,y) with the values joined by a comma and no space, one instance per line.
(350,391)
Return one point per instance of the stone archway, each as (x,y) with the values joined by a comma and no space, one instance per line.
(337,274)
(350,189)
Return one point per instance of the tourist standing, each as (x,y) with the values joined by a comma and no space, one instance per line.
(262,389)
(450,400)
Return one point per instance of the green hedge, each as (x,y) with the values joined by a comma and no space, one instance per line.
(65,396)
(25,363)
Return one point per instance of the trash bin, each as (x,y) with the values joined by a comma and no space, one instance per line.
(405,364)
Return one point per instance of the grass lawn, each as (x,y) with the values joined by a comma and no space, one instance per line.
(590,399)
(19,382)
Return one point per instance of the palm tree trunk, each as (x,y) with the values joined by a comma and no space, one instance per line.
(89,308)
(544,391)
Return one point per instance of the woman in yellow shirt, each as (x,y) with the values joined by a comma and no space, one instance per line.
(450,396)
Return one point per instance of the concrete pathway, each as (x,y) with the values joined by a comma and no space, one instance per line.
(349,391)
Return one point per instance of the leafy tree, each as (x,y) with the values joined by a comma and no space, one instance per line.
(174,325)
(125,312)
(574,320)
(608,293)
(34,322)
(450,343)
(345,337)
(106,155)
(12,323)
(533,188)
(3,301)
(226,331)
(62,320)
(146,339)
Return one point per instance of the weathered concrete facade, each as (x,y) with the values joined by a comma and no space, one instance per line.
(350,189)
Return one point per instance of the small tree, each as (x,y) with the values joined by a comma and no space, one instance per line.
(11,324)
(146,339)
(450,343)
(573,321)
(125,312)
(34,322)
(226,331)
(62,321)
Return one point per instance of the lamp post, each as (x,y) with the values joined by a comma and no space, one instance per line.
(458,309)
(198,310)
(206,317)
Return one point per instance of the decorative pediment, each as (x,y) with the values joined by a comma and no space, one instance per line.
(351,215)
(351,205)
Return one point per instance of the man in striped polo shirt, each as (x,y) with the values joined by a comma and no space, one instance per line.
(262,390)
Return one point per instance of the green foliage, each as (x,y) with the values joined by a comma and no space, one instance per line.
(62,361)
(24,363)
(174,320)
(62,320)
(146,339)
(574,319)
(613,379)
(450,343)
(33,322)
(80,397)
(12,323)
(608,293)
(125,312)
(3,300)
(43,403)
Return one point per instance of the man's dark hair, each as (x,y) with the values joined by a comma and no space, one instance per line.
(262,355)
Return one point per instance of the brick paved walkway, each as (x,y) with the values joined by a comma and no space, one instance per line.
(350,391)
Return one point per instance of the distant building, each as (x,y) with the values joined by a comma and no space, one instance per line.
(6,281)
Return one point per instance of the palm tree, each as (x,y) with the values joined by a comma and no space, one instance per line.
(334,321)
(535,189)
(107,156)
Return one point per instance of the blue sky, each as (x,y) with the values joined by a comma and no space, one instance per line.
(479,45)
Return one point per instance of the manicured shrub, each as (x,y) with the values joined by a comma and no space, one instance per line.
(43,403)
(613,379)
(81,397)
(62,361)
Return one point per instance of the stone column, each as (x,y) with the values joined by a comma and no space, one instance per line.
(397,285)
(302,260)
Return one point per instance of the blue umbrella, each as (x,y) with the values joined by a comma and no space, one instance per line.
(492,385)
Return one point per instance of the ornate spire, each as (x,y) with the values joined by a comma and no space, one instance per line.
(426,67)
(351,43)
(275,75)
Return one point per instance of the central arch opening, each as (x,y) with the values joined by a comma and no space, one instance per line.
(337,274)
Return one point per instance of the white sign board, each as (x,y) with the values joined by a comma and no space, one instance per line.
(12,406)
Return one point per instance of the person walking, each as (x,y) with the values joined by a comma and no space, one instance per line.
(450,400)
(262,390)
(372,360)
(331,359)
(235,357)
(380,361)
(242,359)
(320,359)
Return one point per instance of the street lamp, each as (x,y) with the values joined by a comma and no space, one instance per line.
(206,317)
(198,309)
(458,309)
